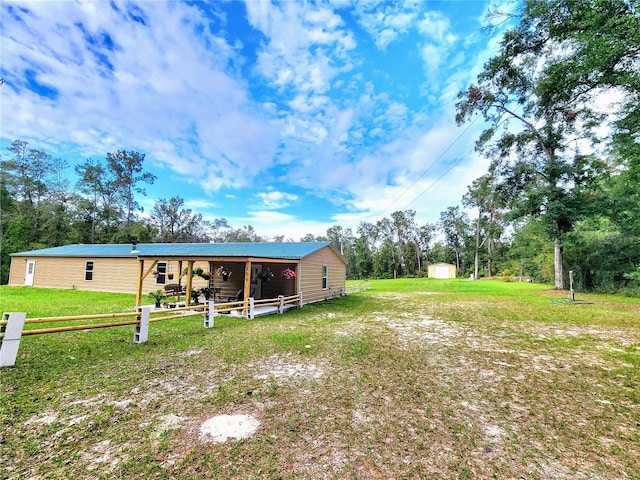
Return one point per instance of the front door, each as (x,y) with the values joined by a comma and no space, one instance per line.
(28,276)
(256,284)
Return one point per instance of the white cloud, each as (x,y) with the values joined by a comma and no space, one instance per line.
(435,26)
(384,21)
(166,78)
(272,200)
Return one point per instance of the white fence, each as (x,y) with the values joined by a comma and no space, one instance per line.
(358,287)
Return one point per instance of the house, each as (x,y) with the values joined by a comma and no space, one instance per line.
(442,270)
(320,270)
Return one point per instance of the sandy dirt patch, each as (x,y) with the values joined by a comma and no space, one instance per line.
(221,428)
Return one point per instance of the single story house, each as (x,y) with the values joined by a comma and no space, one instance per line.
(442,270)
(233,269)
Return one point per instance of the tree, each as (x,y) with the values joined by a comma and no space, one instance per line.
(483,195)
(454,224)
(405,231)
(176,223)
(126,168)
(26,176)
(424,239)
(545,78)
(386,233)
(215,228)
(93,183)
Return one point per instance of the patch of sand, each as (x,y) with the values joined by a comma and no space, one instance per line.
(221,428)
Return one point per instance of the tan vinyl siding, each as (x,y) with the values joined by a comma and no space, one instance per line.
(311,276)
(113,274)
(109,274)
(118,275)
(17,271)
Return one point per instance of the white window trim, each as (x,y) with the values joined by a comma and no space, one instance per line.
(86,270)
(163,275)
(325,277)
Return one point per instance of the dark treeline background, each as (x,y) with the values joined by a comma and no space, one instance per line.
(543,208)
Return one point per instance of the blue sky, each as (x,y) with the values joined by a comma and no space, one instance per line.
(287,116)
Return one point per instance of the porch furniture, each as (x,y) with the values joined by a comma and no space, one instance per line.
(172,289)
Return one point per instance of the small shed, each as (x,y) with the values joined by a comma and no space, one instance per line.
(442,270)
(320,270)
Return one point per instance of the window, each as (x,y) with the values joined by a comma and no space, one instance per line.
(88,271)
(162,273)
(325,277)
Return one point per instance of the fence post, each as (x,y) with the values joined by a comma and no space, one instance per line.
(141,332)
(300,301)
(208,316)
(281,305)
(252,313)
(10,335)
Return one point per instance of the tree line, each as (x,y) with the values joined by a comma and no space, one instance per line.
(562,192)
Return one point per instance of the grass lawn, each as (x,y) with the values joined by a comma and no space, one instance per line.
(413,379)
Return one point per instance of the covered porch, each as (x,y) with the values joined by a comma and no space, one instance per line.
(223,280)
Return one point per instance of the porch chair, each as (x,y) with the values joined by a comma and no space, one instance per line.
(238,297)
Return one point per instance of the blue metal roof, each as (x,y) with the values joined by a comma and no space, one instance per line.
(284,250)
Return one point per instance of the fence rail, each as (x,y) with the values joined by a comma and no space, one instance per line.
(12,323)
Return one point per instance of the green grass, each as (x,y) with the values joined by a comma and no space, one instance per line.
(415,378)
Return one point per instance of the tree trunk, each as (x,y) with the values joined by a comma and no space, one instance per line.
(475,271)
(489,264)
(557,263)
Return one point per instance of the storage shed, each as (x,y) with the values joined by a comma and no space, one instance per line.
(442,270)
(319,269)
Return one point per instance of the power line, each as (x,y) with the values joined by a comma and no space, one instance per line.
(504,120)
(432,164)
(455,164)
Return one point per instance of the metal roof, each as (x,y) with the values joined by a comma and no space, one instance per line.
(284,250)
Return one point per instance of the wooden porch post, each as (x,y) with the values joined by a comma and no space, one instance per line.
(140,278)
(187,300)
(247,286)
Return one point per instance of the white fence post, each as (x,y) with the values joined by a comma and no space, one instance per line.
(208,317)
(281,305)
(300,302)
(11,335)
(251,313)
(141,332)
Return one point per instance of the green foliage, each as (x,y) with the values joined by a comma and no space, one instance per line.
(157,296)
(550,68)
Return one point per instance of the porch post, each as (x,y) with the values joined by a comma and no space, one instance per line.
(297,284)
(247,285)
(140,278)
(187,300)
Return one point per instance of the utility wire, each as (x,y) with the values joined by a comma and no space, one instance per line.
(431,166)
(455,164)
